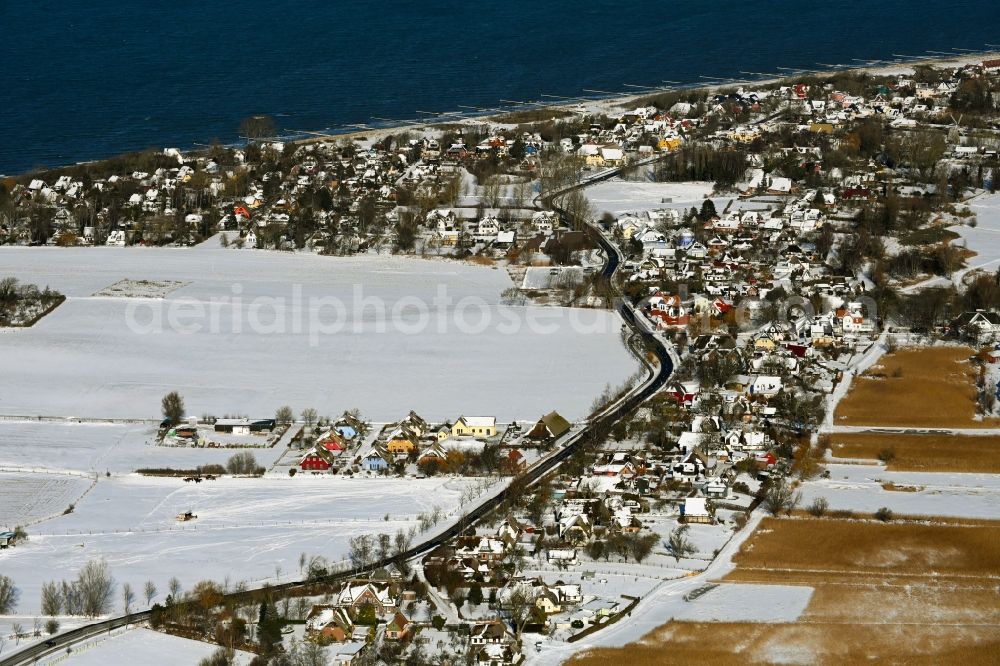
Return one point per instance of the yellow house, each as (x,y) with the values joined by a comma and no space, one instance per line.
(670,143)
(764,342)
(401,441)
(475,426)
(745,134)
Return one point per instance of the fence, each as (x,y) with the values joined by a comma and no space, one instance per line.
(611,620)
(83,647)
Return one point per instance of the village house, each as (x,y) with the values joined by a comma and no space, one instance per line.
(354,596)
(326,624)
(475,426)
(376,461)
(550,427)
(398,628)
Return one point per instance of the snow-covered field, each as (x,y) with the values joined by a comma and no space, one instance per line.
(544,277)
(984,238)
(255,330)
(244,527)
(27,498)
(739,602)
(141,647)
(99,448)
(617,196)
(859,488)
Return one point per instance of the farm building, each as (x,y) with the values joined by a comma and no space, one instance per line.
(243,426)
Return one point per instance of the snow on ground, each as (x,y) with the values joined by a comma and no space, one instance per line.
(233,348)
(28,498)
(546,277)
(859,488)
(738,602)
(984,238)
(617,196)
(100,448)
(140,647)
(244,528)
(27,624)
(664,601)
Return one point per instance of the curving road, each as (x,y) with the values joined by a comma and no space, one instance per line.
(603,419)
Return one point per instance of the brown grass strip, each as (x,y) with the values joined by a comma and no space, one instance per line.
(922,453)
(925,387)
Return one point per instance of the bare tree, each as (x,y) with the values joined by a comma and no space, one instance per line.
(128,598)
(173,407)
(284,415)
(384,546)
(242,463)
(51,626)
(96,587)
(642,545)
(678,543)
(781,497)
(362,550)
(520,606)
(174,587)
(149,590)
(309,416)
(8,595)
(52,600)
(18,630)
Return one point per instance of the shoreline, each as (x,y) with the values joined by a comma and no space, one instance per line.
(597,104)
(592,105)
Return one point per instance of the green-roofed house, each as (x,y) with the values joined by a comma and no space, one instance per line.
(550,427)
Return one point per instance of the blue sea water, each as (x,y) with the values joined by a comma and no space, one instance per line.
(85,80)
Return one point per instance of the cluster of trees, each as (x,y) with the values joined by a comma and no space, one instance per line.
(21,302)
(696,162)
(975,95)
(244,463)
(487,461)
(91,594)
(9,595)
(637,545)
(365,550)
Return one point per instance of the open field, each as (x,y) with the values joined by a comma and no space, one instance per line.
(617,196)
(922,452)
(895,593)
(257,523)
(738,644)
(927,387)
(144,647)
(248,326)
(984,238)
(805,551)
(863,489)
(103,447)
(26,498)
